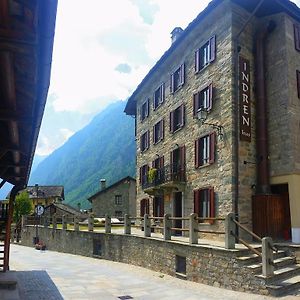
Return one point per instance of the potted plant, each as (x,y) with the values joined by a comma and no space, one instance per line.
(152,174)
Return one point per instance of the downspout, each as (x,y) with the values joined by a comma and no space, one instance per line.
(12,198)
(263,178)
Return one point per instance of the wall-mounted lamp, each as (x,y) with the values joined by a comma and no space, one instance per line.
(202,116)
(157,155)
(176,146)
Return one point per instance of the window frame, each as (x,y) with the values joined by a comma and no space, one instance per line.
(211,45)
(145,141)
(145,204)
(144,169)
(199,162)
(181,75)
(118,200)
(198,203)
(197,97)
(297,36)
(298,82)
(145,110)
(161,92)
(180,125)
(161,129)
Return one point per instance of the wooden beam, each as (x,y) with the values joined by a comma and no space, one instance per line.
(4,13)
(11,148)
(28,3)
(17,35)
(23,49)
(2,153)
(10,115)
(12,165)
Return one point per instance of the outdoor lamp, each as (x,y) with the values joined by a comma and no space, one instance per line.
(202,116)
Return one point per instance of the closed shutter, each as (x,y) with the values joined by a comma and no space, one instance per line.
(172,84)
(161,207)
(182,74)
(196,202)
(142,207)
(212,142)
(212,212)
(210,100)
(147,210)
(196,99)
(197,154)
(212,45)
(172,121)
(297,36)
(197,61)
(298,83)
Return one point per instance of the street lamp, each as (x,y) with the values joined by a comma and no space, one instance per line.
(202,116)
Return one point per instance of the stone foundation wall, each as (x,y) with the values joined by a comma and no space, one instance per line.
(204,264)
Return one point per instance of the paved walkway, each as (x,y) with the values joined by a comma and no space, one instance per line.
(52,275)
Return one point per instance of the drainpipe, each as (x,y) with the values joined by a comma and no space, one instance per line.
(263,178)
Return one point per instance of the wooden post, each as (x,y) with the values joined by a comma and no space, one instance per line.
(90,223)
(167,227)
(229,227)
(64,222)
(54,222)
(267,257)
(107,224)
(147,226)
(127,224)
(193,232)
(76,224)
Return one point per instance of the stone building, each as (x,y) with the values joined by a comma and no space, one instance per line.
(218,119)
(115,200)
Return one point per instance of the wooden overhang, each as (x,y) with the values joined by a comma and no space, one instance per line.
(26,43)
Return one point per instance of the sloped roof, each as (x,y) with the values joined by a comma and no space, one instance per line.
(268,7)
(46,191)
(111,186)
(65,207)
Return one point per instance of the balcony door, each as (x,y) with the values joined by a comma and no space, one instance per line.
(178,211)
(177,159)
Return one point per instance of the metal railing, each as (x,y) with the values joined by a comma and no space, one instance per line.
(3,212)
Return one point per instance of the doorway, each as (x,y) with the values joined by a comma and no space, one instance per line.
(178,212)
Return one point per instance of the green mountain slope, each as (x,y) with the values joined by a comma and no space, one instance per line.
(105,148)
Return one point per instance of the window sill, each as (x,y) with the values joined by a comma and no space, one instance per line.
(158,106)
(201,70)
(155,143)
(178,88)
(177,130)
(204,166)
(181,275)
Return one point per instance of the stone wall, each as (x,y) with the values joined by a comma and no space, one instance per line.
(204,264)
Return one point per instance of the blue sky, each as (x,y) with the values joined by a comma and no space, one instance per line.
(101,53)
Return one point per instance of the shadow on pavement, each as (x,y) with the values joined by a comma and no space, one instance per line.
(37,285)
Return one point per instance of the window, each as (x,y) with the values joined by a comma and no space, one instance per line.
(177,118)
(203,99)
(144,207)
(145,141)
(159,96)
(158,164)
(177,161)
(177,79)
(144,174)
(158,131)
(118,200)
(297,36)
(206,54)
(205,150)
(204,203)
(298,83)
(145,110)
(118,213)
(158,206)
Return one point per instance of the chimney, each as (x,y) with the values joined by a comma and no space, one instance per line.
(176,32)
(102,184)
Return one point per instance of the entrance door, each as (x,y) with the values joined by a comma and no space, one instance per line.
(271,213)
(178,211)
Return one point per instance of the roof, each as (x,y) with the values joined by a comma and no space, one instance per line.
(26,42)
(46,191)
(268,7)
(111,186)
(65,207)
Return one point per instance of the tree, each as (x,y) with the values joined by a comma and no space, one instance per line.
(23,206)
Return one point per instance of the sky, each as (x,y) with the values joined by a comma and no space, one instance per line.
(102,51)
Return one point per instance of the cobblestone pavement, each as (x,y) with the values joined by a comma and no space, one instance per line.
(52,275)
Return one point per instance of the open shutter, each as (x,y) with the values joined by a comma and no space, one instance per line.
(182,74)
(148,139)
(182,109)
(212,45)
(195,104)
(297,36)
(161,162)
(162,129)
(197,61)
(172,121)
(148,108)
(196,202)
(147,206)
(298,83)
(210,99)
(154,101)
(154,135)
(171,163)
(161,206)
(141,143)
(142,207)
(162,93)
(212,212)
(172,84)
(141,175)
(182,163)
(197,154)
(212,142)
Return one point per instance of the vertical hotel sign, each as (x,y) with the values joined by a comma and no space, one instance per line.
(245,104)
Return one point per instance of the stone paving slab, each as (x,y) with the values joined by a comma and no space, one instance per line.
(54,275)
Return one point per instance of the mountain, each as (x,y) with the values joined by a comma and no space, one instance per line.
(36,161)
(105,148)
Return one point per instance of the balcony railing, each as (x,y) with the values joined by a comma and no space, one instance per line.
(3,212)
(169,173)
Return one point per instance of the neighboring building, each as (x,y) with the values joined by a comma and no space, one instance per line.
(45,194)
(217,119)
(62,209)
(115,200)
